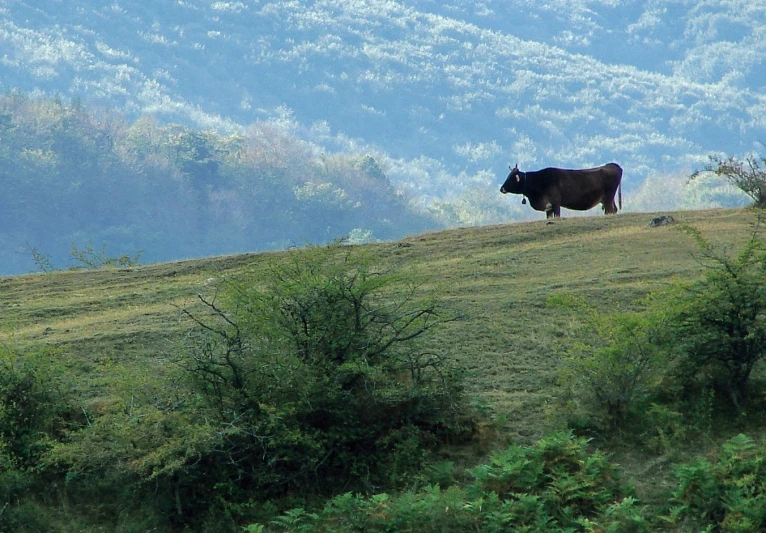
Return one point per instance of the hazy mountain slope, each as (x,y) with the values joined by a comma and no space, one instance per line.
(469,86)
(74,177)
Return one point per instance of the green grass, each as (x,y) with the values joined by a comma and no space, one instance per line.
(499,277)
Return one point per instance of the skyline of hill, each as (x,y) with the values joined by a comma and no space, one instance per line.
(449,92)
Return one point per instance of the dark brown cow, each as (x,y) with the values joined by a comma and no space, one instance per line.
(550,189)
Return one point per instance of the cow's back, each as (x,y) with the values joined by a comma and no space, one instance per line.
(583,189)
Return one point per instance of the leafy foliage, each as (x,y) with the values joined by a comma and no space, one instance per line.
(302,383)
(613,364)
(32,404)
(318,370)
(665,366)
(749,175)
(726,494)
(720,320)
(554,486)
(33,412)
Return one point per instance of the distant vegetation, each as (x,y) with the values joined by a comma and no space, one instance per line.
(463,85)
(76,176)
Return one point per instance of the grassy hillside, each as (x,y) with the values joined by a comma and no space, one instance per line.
(499,277)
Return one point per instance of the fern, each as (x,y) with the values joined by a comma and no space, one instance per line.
(729,494)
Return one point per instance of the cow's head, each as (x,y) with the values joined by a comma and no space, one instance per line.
(514,183)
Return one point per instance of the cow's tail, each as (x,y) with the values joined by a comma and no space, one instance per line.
(619,195)
(619,185)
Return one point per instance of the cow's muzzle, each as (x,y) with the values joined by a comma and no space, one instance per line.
(502,190)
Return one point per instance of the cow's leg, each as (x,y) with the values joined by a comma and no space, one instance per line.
(557,211)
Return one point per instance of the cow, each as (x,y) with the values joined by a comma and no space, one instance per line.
(550,189)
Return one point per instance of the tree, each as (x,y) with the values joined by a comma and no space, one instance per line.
(197,157)
(748,175)
(315,378)
(720,320)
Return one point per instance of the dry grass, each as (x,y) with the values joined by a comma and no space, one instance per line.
(500,277)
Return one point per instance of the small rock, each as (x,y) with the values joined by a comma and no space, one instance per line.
(664,220)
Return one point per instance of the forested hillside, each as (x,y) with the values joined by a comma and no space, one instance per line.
(82,177)
(451,91)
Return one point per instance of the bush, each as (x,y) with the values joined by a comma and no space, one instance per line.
(89,258)
(613,364)
(558,471)
(719,322)
(318,375)
(304,382)
(671,363)
(727,494)
(33,405)
(553,486)
(33,412)
(141,462)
